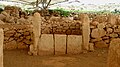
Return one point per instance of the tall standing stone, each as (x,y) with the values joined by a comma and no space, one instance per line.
(1,47)
(85,30)
(36,21)
(114,53)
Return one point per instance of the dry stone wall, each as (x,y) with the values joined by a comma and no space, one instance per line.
(17,38)
(103,29)
(59,25)
(23,37)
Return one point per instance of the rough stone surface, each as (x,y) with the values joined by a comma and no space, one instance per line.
(1,47)
(109,30)
(36,30)
(98,33)
(91,47)
(113,35)
(101,25)
(11,45)
(94,23)
(46,45)
(74,44)
(60,44)
(112,19)
(114,53)
(101,44)
(86,31)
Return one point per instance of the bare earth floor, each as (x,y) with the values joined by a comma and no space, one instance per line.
(20,58)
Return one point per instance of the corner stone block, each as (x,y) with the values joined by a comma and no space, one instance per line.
(46,45)
(60,44)
(74,44)
(114,53)
(1,47)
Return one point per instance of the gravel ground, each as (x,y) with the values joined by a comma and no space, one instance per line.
(20,58)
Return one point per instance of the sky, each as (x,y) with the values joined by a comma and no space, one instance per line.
(89,1)
(99,1)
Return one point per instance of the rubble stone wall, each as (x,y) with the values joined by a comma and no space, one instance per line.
(104,28)
(22,38)
(17,38)
(58,25)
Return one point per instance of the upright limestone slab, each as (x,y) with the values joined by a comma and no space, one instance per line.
(114,53)
(46,45)
(60,44)
(85,31)
(1,47)
(74,44)
(36,21)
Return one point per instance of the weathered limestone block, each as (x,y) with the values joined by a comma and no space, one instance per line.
(112,19)
(22,21)
(114,53)
(108,25)
(11,45)
(98,33)
(26,33)
(100,18)
(94,23)
(118,20)
(107,41)
(85,31)
(101,25)
(92,27)
(21,45)
(91,47)
(1,47)
(60,44)
(74,44)
(101,44)
(1,22)
(109,30)
(96,40)
(28,37)
(2,17)
(116,30)
(5,14)
(46,45)
(36,21)
(105,37)
(113,35)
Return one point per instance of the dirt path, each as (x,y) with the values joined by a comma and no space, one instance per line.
(19,58)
